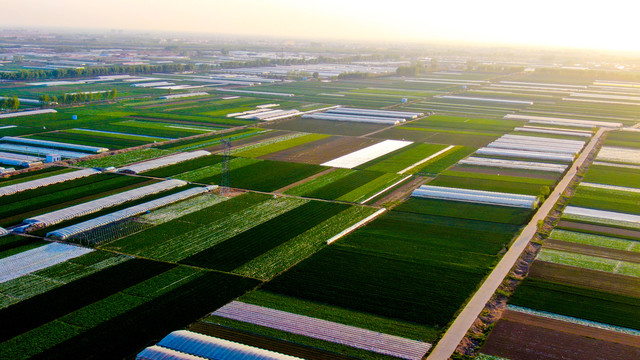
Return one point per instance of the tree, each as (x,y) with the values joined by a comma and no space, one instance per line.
(113,93)
(316,75)
(13,103)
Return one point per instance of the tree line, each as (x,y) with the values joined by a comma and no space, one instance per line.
(9,103)
(36,74)
(79,97)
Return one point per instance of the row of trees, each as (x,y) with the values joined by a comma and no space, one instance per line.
(9,103)
(35,74)
(79,97)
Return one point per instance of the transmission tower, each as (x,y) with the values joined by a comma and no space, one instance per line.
(226,153)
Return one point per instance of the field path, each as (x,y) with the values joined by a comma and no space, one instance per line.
(449,342)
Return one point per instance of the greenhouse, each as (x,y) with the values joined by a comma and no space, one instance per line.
(159,353)
(538,155)
(34,184)
(4,231)
(513,164)
(42,257)
(373,112)
(53,144)
(163,161)
(210,347)
(90,207)
(67,232)
(353,118)
(476,196)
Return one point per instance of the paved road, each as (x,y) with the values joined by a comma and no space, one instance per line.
(449,342)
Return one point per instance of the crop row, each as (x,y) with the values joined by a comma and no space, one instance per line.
(249,244)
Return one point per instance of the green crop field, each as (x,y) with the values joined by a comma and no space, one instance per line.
(277,144)
(578,302)
(606,199)
(590,262)
(613,175)
(465,210)
(595,240)
(401,159)
(491,182)
(234,252)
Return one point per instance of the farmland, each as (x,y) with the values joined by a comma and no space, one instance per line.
(325,190)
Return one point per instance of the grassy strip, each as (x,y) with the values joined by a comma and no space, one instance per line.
(250,244)
(302,246)
(115,136)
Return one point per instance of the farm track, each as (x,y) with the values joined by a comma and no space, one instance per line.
(457,331)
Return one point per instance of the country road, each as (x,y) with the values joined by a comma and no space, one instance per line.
(449,342)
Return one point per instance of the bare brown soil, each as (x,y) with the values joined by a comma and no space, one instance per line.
(520,336)
(323,150)
(599,229)
(586,278)
(585,249)
(263,342)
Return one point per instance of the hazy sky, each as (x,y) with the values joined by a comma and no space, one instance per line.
(585,24)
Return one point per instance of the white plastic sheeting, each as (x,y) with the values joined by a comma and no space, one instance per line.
(353,118)
(65,233)
(180,96)
(19,159)
(520,117)
(472,98)
(618,154)
(374,112)
(580,133)
(90,207)
(476,196)
(538,155)
(27,113)
(356,337)
(159,353)
(602,214)
(163,161)
(215,348)
(3,231)
(42,257)
(37,150)
(367,154)
(53,144)
(513,164)
(33,184)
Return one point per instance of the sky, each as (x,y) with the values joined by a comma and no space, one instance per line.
(609,25)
